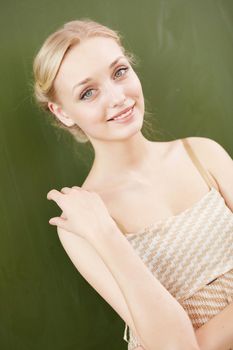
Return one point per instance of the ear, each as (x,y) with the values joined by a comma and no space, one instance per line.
(60,114)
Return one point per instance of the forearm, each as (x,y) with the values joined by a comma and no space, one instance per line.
(217,333)
(159,319)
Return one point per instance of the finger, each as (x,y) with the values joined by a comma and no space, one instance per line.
(65,190)
(76,187)
(54,195)
(59,222)
(63,215)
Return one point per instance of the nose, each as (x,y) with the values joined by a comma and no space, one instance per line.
(115,94)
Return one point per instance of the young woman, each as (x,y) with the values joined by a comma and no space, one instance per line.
(151,227)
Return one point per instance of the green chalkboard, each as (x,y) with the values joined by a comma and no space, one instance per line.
(186,70)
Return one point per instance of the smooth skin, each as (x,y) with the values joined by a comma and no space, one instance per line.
(123,156)
(215,334)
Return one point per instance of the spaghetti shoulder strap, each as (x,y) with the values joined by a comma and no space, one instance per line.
(198,164)
(122,229)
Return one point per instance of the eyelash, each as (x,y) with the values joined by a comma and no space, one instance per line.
(84,93)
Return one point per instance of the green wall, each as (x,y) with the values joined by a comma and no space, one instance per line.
(186,69)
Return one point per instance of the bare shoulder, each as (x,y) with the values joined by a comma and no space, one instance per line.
(219,163)
(200,142)
(210,151)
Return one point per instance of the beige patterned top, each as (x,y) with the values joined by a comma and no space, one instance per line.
(188,250)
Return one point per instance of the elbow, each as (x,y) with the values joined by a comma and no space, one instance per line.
(169,341)
(182,344)
(173,346)
(187,343)
(184,347)
(192,347)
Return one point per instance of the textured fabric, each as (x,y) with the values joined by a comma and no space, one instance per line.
(210,300)
(191,254)
(202,306)
(188,250)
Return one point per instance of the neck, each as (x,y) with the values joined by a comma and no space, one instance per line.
(121,158)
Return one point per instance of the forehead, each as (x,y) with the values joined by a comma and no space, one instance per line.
(87,59)
(94,48)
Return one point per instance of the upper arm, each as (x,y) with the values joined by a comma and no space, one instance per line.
(218,162)
(93,269)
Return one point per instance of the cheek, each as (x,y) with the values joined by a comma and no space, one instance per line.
(138,93)
(136,86)
(89,116)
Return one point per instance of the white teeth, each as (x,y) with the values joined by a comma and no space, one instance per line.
(123,115)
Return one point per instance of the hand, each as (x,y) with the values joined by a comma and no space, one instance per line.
(84,213)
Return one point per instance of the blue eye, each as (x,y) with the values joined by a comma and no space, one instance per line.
(85,94)
(124,69)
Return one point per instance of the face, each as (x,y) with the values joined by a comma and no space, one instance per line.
(113,86)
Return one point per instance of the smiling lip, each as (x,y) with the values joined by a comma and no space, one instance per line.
(122,112)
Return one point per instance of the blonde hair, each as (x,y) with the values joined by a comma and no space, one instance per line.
(50,56)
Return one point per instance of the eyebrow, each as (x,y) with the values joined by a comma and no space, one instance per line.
(89,79)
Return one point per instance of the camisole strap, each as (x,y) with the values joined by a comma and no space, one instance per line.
(198,164)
